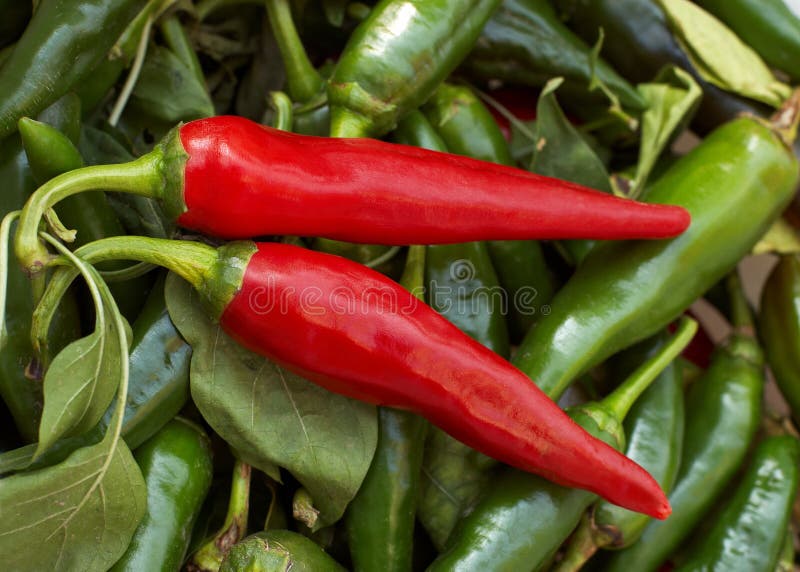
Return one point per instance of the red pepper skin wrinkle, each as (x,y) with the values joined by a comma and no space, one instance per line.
(243,179)
(357,333)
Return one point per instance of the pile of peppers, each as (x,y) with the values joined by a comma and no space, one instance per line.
(399,285)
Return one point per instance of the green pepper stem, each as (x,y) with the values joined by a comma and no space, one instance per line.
(580,547)
(210,555)
(282,106)
(192,261)
(304,82)
(786,119)
(741,315)
(623,398)
(140,177)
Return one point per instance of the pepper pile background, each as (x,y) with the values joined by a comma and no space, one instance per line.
(323,482)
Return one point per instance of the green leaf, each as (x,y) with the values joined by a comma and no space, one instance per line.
(561,151)
(77,515)
(168,89)
(453,475)
(672,100)
(81,382)
(272,416)
(720,57)
(82,513)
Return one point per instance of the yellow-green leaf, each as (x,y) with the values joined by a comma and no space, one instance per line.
(720,57)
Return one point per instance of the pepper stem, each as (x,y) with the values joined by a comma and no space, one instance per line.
(304,82)
(785,120)
(192,261)
(623,398)
(580,549)
(741,315)
(209,556)
(282,107)
(141,177)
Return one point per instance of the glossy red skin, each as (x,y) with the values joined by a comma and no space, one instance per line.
(393,350)
(243,179)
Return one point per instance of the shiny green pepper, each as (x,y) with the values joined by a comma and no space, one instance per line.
(525,43)
(278,551)
(176,465)
(779,327)
(750,531)
(63,42)
(734,184)
(397,57)
(723,408)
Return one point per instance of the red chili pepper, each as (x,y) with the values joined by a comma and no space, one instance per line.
(243,179)
(358,333)
(232,178)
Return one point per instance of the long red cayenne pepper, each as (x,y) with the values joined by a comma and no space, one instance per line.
(358,333)
(231,178)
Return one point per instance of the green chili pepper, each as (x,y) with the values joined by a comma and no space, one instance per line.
(380,519)
(522,519)
(525,43)
(468,128)
(177,470)
(639,43)
(779,327)
(734,184)
(750,531)
(64,41)
(654,434)
(770,27)
(21,387)
(723,408)
(397,57)
(51,153)
(158,386)
(278,551)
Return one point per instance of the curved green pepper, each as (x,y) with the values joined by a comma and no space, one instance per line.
(468,128)
(770,27)
(51,153)
(522,519)
(380,519)
(278,551)
(64,41)
(654,434)
(638,43)
(397,57)
(626,291)
(722,414)
(525,43)
(177,470)
(779,327)
(750,531)
(22,389)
